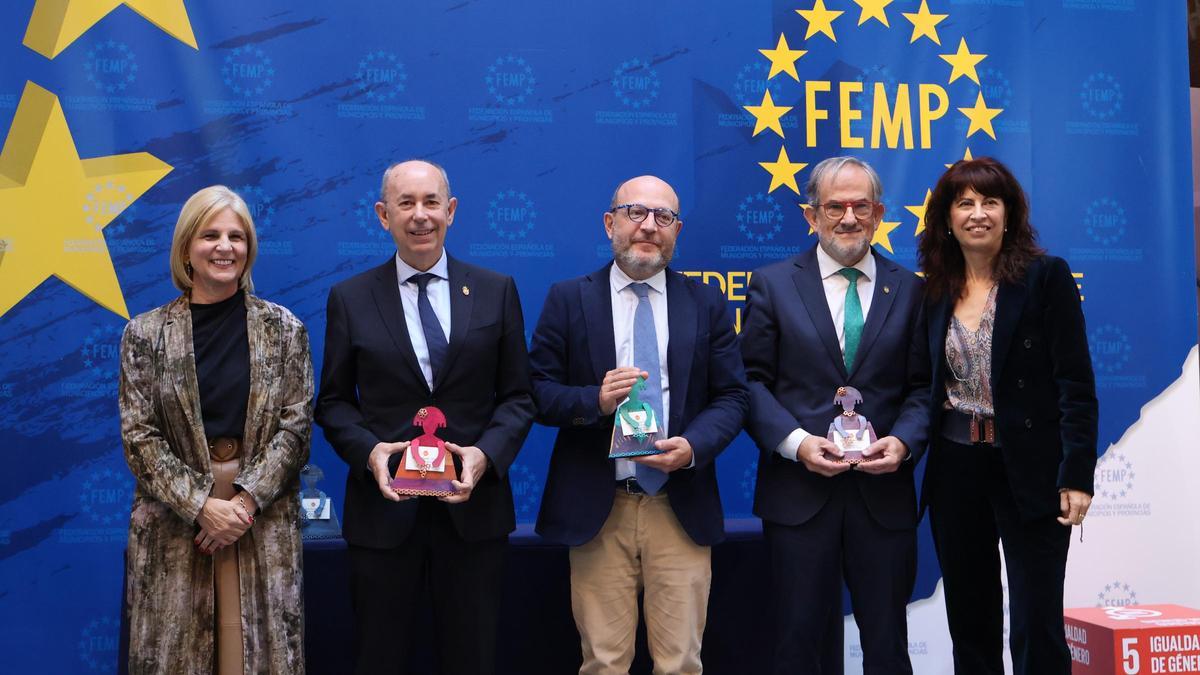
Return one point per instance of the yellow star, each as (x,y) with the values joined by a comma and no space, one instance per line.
(873,9)
(925,23)
(766,116)
(783,59)
(783,171)
(820,20)
(981,117)
(966,157)
(963,62)
(50,219)
(881,235)
(55,24)
(919,212)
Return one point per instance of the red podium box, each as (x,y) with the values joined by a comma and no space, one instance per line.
(1133,640)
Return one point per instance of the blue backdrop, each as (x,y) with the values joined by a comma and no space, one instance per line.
(538,109)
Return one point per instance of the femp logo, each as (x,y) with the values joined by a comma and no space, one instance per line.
(262,210)
(1116,594)
(1115,479)
(1112,351)
(636,86)
(1102,100)
(99,359)
(369,237)
(748,86)
(527,491)
(105,498)
(381,79)
(248,74)
(98,644)
(512,218)
(760,226)
(1105,223)
(111,67)
(510,82)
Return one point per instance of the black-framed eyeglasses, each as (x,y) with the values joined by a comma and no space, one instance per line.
(862,209)
(663,217)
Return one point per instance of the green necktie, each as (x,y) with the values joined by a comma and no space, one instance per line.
(854,316)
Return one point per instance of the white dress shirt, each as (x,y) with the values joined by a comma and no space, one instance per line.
(836,286)
(438,290)
(624,305)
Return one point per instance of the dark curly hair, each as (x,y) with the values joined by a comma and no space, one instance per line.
(939,254)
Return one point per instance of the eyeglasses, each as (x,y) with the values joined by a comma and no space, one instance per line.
(637,213)
(837,210)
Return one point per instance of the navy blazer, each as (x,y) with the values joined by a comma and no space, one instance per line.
(573,348)
(794,364)
(372,387)
(1043,388)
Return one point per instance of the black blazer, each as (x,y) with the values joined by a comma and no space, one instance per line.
(573,348)
(794,364)
(1043,389)
(372,386)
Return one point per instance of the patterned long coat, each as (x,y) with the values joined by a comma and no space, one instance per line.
(170,584)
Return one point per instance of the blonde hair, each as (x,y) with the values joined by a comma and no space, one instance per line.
(197,212)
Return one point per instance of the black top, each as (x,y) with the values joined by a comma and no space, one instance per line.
(222,348)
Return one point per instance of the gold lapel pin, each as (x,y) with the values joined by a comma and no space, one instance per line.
(466,290)
(887,289)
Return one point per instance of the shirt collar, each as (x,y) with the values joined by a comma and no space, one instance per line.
(619,280)
(830,267)
(440,269)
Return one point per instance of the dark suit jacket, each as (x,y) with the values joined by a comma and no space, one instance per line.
(573,348)
(371,388)
(795,366)
(1043,389)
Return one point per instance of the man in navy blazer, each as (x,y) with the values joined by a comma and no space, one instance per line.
(649,521)
(837,315)
(424,329)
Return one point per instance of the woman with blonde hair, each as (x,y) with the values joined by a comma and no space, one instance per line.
(216,414)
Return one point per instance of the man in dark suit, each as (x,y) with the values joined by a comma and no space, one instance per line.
(387,356)
(837,315)
(648,521)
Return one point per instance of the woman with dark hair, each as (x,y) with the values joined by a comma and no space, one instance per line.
(216,416)
(1013,419)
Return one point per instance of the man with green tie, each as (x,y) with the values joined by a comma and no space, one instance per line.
(837,316)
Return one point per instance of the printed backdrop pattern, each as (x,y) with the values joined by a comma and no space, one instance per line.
(116,111)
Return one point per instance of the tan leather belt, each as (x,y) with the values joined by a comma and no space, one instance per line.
(224,448)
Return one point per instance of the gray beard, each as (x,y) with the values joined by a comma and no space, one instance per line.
(845,256)
(640,266)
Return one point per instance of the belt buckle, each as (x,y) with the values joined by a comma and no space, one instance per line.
(630,487)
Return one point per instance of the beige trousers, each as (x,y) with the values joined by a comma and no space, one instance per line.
(641,546)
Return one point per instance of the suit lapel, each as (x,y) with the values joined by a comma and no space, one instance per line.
(807,278)
(461,303)
(597,314)
(1010,299)
(386,292)
(179,359)
(681,326)
(887,287)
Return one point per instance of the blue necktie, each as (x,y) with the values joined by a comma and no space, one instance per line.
(645,356)
(435,339)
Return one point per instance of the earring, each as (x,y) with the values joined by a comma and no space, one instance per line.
(187,267)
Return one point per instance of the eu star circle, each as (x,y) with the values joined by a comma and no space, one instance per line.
(635,84)
(111,67)
(760,217)
(105,201)
(368,220)
(1105,221)
(247,71)
(381,76)
(261,208)
(1101,95)
(510,80)
(511,215)
(1110,349)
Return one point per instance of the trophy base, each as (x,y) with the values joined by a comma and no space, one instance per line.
(851,457)
(634,453)
(417,487)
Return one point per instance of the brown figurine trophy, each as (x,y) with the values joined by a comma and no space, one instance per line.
(427,468)
(850,431)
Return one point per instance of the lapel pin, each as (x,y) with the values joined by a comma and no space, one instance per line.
(887,289)
(466,290)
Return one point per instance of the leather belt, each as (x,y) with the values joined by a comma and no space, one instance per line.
(224,448)
(630,486)
(969,428)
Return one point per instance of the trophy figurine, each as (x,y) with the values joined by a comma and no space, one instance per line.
(636,427)
(850,431)
(317,517)
(427,468)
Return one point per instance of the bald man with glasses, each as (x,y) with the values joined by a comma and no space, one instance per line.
(646,522)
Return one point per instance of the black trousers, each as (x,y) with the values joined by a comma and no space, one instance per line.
(461,580)
(971,511)
(808,563)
